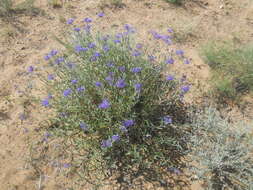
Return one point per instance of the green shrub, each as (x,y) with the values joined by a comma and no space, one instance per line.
(118,103)
(232,68)
(222,151)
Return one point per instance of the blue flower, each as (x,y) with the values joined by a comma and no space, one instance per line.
(170,61)
(97,54)
(123,129)
(136,53)
(74,81)
(87,20)
(70,65)
(136,69)
(110,64)
(138,46)
(98,84)
(156,35)
(91,45)
(167,120)
(169,77)
(53,53)
(79,48)
(168,41)
(30,69)
(122,68)
(185,88)
(66,165)
(109,79)
(50,77)
(101,14)
(117,41)
(106,48)
(83,126)
(120,83)
(45,102)
(49,96)
(115,138)
(104,104)
(138,87)
(80,89)
(59,60)
(22,116)
(186,61)
(106,143)
(77,29)
(129,28)
(67,92)
(47,57)
(151,58)
(180,52)
(70,21)
(170,30)
(119,35)
(128,123)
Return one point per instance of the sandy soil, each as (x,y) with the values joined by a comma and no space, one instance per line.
(20,119)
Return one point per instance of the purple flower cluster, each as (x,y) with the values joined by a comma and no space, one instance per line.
(136,53)
(59,60)
(167,120)
(108,143)
(165,38)
(77,29)
(128,123)
(122,68)
(98,84)
(138,87)
(101,14)
(70,21)
(185,88)
(45,102)
(136,69)
(67,92)
(50,54)
(87,20)
(30,69)
(91,45)
(120,83)
(104,104)
(169,78)
(50,77)
(83,126)
(79,48)
(80,89)
(170,61)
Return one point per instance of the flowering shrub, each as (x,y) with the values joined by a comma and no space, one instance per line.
(222,152)
(117,102)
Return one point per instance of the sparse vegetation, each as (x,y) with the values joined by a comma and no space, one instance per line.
(8,10)
(111,3)
(55,3)
(232,69)
(177,2)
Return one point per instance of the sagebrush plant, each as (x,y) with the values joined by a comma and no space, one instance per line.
(233,65)
(119,102)
(222,151)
